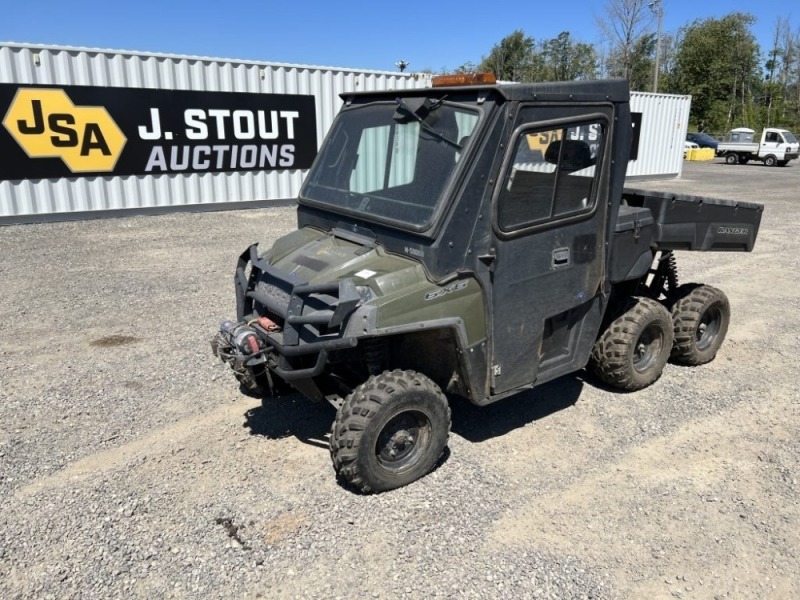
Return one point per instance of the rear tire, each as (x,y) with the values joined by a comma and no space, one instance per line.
(700,317)
(731,158)
(390,431)
(633,350)
(770,161)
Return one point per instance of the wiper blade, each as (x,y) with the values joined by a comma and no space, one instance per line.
(405,108)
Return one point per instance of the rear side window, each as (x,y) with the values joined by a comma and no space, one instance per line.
(551,177)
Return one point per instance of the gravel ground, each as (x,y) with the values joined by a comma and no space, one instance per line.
(131,466)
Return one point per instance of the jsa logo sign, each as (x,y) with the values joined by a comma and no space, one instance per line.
(51,132)
(46,124)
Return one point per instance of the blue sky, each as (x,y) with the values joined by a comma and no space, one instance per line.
(370,35)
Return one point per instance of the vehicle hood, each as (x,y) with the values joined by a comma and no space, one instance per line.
(312,256)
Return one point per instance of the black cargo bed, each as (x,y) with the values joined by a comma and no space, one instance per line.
(684,222)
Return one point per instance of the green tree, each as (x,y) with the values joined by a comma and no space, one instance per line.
(564,59)
(517,57)
(718,64)
(637,65)
(781,105)
(625,25)
(512,59)
(793,86)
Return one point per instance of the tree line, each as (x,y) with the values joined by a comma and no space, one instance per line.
(732,80)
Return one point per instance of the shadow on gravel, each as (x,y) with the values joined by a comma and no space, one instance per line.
(310,422)
(478,424)
(293,415)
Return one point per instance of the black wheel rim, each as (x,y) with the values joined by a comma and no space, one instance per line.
(708,328)
(403,440)
(648,348)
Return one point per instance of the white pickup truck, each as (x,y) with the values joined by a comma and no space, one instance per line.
(777,147)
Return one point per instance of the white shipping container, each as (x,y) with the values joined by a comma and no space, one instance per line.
(665,119)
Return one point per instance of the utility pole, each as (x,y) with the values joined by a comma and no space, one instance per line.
(658,9)
(402,65)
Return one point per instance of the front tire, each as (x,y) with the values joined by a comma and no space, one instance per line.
(390,431)
(700,317)
(770,161)
(633,350)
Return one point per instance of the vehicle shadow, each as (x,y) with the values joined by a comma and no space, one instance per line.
(292,415)
(310,422)
(478,424)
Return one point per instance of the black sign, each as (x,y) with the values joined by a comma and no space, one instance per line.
(66,131)
(636,122)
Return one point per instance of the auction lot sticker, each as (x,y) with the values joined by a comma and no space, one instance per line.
(67,131)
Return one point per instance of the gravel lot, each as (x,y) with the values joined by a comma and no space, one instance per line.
(131,466)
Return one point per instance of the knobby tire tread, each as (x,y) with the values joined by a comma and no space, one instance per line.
(362,405)
(611,355)
(693,300)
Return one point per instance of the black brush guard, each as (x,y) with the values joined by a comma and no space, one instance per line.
(311,315)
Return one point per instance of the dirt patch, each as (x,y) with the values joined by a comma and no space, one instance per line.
(111,341)
(283,527)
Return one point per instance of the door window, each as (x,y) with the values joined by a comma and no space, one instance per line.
(551,176)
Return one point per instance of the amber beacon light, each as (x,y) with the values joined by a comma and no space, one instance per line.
(464,79)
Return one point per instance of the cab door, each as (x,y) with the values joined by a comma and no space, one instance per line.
(549,222)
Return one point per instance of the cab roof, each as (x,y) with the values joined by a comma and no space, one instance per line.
(609,90)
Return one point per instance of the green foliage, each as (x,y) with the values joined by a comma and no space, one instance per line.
(627,26)
(511,59)
(716,60)
(562,59)
(718,64)
(637,65)
(519,58)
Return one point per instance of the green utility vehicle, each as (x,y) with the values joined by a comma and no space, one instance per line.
(472,240)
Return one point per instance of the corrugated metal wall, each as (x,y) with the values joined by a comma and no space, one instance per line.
(33,64)
(665,119)
(664,123)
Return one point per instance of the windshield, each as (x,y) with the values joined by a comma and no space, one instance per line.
(386,162)
(789,137)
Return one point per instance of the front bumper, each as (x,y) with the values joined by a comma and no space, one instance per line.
(309,318)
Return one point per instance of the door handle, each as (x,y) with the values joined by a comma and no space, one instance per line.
(560,258)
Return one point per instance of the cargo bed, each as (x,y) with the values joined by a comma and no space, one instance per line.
(683,222)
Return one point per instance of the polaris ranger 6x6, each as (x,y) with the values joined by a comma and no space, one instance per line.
(472,239)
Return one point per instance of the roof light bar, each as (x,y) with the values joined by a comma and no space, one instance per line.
(464,79)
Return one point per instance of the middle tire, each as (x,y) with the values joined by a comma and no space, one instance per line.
(390,431)
(633,350)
